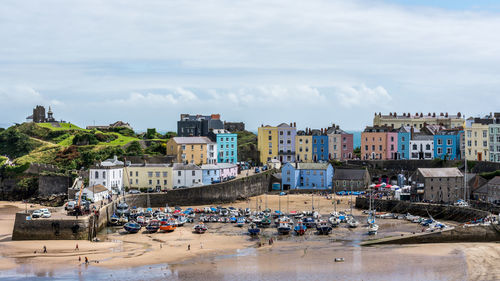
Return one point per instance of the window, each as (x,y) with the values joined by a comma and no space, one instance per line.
(150,182)
(179,181)
(289,141)
(440,141)
(281,133)
(469,143)
(164,182)
(392,138)
(469,133)
(485,133)
(179,173)
(183,147)
(157,174)
(157,181)
(380,148)
(307,141)
(439,150)
(448,151)
(288,133)
(103,174)
(150,174)
(366,147)
(270,151)
(96,175)
(193,173)
(449,141)
(315,141)
(485,143)
(136,181)
(270,138)
(131,173)
(428,147)
(194,181)
(414,147)
(402,138)
(403,147)
(165,174)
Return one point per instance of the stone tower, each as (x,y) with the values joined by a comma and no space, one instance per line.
(39,114)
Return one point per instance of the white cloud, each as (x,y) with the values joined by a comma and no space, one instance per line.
(363,96)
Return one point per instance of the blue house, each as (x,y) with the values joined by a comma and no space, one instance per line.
(320,147)
(227,145)
(210,174)
(404,137)
(447,145)
(307,176)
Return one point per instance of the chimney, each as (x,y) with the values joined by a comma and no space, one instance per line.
(446,115)
(441,114)
(421,115)
(294,125)
(434,114)
(390,113)
(395,114)
(404,114)
(411,132)
(429,114)
(291,124)
(379,114)
(409,115)
(459,115)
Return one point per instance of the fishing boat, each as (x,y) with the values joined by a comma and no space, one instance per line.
(300,228)
(181,221)
(132,227)
(253,229)
(200,228)
(284,228)
(114,219)
(309,222)
(233,219)
(240,222)
(153,226)
(122,209)
(142,220)
(323,228)
(266,221)
(168,225)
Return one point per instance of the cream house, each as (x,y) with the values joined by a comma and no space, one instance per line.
(156,176)
(477,139)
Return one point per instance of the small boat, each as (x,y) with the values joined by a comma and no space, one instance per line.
(168,225)
(123,219)
(266,221)
(334,221)
(300,228)
(253,229)
(372,229)
(153,226)
(352,222)
(132,227)
(240,222)
(181,221)
(323,228)
(233,219)
(309,222)
(114,219)
(284,228)
(339,259)
(142,220)
(200,228)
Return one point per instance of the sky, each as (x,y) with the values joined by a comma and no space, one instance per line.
(314,62)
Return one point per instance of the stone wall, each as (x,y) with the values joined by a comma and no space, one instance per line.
(443,212)
(49,229)
(48,185)
(212,194)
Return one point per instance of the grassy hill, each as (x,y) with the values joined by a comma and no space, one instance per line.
(247,147)
(67,145)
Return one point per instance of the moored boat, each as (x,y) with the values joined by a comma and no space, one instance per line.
(334,221)
(240,222)
(372,229)
(114,219)
(300,228)
(323,228)
(153,226)
(200,228)
(253,229)
(284,228)
(132,227)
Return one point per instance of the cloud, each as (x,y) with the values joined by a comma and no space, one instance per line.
(362,96)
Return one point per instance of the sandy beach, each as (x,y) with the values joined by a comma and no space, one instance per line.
(118,250)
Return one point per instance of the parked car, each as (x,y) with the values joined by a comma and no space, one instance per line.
(46,214)
(36,214)
(257,170)
(150,190)
(134,191)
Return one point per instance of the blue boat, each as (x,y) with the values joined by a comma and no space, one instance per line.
(114,219)
(309,222)
(253,229)
(233,219)
(300,228)
(132,227)
(240,222)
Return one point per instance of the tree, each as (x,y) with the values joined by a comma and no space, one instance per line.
(15,144)
(151,134)
(357,152)
(134,149)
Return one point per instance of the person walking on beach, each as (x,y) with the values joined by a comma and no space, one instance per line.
(86,260)
(189,247)
(44,249)
(76,248)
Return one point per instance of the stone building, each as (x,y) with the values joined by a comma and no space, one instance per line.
(234,126)
(418,120)
(440,185)
(344,179)
(198,125)
(38,115)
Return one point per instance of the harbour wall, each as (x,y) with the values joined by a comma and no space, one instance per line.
(50,229)
(442,212)
(487,233)
(225,192)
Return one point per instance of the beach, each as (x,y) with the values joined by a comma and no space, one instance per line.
(228,251)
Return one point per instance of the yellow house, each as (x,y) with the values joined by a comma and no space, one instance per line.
(267,143)
(477,142)
(303,147)
(156,176)
(192,150)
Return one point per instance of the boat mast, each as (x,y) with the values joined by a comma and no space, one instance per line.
(351,196)
(288,204)
(335,197)
(465,180)
(312,202)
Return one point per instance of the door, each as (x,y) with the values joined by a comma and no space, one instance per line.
(479,156)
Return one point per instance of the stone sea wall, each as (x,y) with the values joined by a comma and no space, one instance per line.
(49,229)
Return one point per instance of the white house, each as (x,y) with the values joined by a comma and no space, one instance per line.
(187,175)
(211,153)
(422,147)
(108,173)
(96,193)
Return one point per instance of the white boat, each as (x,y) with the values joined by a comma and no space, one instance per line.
(352,222)
(334,221)
(372,229)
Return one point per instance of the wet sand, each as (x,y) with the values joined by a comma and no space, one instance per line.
(225,252)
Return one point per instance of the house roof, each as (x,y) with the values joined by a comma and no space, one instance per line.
(349,174)
(440,172)
(423,137)
(284,125)
(192,140)
(217,166)
(482,189)
(97,188)
(311,166)
(180,166)
(495,181)
(147,165)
